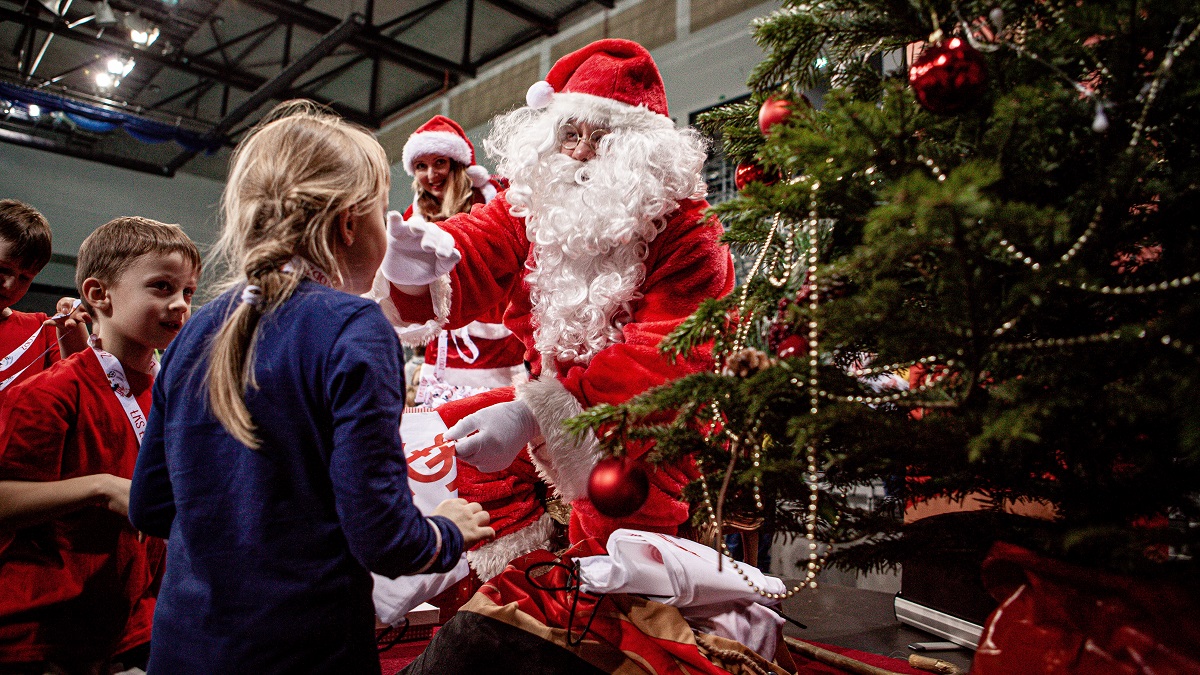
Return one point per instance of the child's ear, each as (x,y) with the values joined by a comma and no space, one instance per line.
(95,294)
(346,228)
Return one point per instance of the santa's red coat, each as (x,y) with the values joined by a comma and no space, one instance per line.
(685,264)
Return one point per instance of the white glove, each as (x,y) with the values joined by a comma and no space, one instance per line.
(418,251)
(503,429)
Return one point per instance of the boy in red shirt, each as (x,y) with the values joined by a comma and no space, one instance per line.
(26,347)
(78,580)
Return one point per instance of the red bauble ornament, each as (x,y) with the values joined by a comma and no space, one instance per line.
(773,111)
(792,346)
(618,486)
(949,76)
(751,172)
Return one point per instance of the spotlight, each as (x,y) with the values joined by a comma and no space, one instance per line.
(141,32)
(35,110)
(115,70)
(105,16)
(120,67)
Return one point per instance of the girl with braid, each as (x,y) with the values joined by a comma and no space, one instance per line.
(272,458)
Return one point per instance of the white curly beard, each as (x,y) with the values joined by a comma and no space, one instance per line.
(589,223)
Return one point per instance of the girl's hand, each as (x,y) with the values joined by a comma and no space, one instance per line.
(470,518)
(112,492)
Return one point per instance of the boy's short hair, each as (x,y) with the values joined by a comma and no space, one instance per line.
(114,246)
(27,231)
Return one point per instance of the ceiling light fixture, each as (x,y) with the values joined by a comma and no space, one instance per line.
(141,32)
(35,110)
(115,70)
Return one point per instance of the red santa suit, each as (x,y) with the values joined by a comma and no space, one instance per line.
(484,354)
(684,263)
(79,587)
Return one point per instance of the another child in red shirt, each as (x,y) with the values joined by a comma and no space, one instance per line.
(78,580)
(27,346)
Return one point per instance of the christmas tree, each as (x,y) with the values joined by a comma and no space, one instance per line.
(974,272)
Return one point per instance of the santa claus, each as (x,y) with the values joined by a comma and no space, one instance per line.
(601,247)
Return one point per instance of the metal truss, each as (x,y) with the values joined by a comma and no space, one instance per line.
(239,54)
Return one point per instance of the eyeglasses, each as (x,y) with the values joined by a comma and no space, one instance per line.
(569,137)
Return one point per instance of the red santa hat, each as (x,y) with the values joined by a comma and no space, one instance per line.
(443,136)
(607,78)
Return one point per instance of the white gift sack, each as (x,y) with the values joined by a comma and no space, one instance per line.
(396,597)
(671,570)
(432,468)
(432,476)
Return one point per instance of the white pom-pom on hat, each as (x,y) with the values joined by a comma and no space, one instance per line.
(539,94)
(479,176)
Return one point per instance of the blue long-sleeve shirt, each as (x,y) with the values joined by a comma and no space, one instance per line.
(269,550)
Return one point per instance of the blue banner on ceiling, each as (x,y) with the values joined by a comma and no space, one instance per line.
(100,120)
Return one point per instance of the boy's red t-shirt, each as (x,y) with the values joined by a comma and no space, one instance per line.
(80,586)
(38,355)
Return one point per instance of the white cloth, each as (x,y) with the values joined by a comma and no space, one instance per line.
(754,625)
(672,571)
(418,252)
(684,574)
(504,428)
(396,597)
(432,471)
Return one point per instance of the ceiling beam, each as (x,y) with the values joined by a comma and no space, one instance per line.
(184,63)
(369,40)
(277,85)
(606,3)
(547,25)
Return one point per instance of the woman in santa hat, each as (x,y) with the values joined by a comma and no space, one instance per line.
(483,354)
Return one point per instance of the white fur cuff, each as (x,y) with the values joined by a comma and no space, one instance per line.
(491,558)
(565,461)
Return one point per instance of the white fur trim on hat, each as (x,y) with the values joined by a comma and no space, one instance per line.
(445,143)
(491,558)
(564,460)
(607,112)
(488,191)
(539,94)
(479,176)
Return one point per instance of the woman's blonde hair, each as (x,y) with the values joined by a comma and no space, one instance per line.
(290,180)
(457,198)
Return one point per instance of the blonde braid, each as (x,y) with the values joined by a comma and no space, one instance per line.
(289,182)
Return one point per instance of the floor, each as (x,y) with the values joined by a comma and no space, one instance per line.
(859,618)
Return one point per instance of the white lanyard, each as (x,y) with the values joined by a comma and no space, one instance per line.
(309,270)
(461,339)
(8,361)
(120,386)
(465,337)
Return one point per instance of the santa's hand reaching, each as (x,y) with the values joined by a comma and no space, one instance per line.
(492,437)
(418,252)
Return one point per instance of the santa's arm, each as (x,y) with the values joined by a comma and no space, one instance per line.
(691,265)
(493,246)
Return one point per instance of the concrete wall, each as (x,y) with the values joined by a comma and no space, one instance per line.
(77,196)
